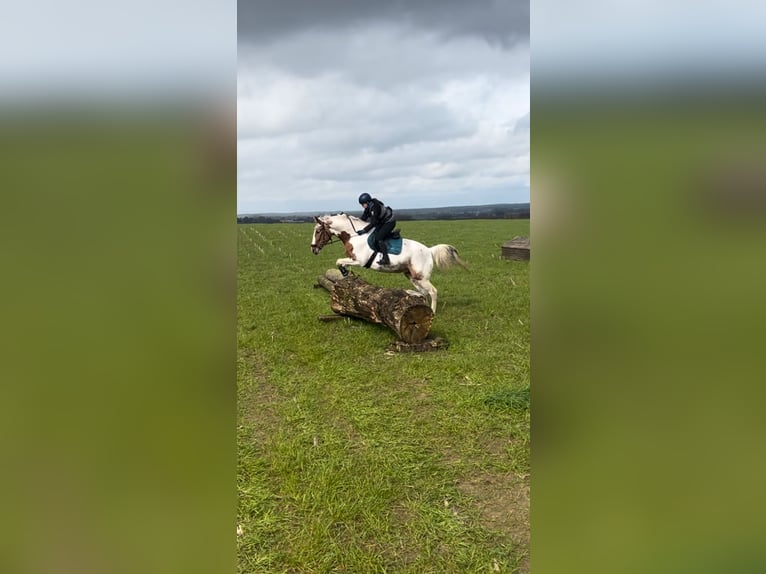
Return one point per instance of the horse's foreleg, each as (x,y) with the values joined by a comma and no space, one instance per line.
(346,261)
(341,263)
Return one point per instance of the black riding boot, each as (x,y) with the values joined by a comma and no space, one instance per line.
(383,248)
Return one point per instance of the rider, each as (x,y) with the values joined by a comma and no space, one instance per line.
(382,219)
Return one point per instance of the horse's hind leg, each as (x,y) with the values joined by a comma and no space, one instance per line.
(410,291)
(427,289)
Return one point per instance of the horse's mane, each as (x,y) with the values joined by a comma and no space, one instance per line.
(328,215)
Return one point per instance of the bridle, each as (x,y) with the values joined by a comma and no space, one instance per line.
(325,236)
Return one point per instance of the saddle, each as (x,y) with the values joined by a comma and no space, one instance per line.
(393,242)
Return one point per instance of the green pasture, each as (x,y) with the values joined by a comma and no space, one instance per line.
(352,459)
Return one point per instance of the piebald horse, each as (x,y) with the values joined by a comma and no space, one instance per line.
(416,260)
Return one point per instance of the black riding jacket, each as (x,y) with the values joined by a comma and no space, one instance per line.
(377,214)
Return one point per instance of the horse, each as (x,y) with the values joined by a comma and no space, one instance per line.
(415,260)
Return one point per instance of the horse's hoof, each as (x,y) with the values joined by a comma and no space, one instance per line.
(343,270)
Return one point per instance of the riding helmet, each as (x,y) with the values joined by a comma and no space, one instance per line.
(364,198)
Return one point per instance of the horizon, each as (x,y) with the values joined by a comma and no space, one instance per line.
(404,209)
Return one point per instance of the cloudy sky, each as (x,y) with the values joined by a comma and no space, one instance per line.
(105,49)
(418,103)
(647,41)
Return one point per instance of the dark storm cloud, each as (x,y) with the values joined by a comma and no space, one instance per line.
(501,22)
(423,103)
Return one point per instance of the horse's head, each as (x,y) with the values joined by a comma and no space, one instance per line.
(330,225)
(322,235)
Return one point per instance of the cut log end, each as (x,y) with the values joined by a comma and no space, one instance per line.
(415,324)
(333,275)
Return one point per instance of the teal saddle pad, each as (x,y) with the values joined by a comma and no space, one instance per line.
(394,243)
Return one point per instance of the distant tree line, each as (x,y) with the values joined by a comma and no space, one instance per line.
(271,219)
(499,211)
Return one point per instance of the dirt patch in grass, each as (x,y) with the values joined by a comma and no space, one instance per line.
(495,447)
(418,393)
(260,411)
(259,406)
(408,550)
(502,503)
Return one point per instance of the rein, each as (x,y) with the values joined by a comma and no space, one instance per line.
(351,222)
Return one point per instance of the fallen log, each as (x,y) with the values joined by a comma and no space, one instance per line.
(326,283)
(408,315)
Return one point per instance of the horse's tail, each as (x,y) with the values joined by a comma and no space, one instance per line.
(446,256)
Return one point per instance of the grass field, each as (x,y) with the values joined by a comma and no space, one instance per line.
(354,460)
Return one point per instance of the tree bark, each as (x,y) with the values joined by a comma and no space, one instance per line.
(409,316)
